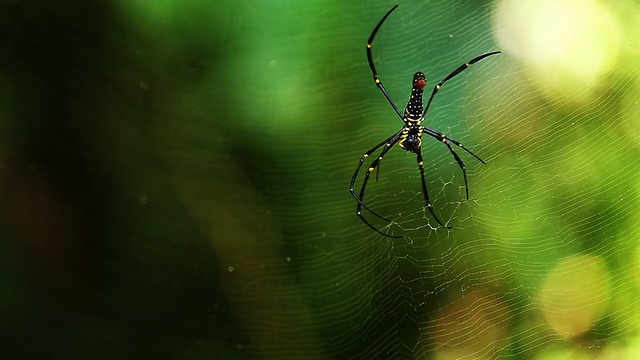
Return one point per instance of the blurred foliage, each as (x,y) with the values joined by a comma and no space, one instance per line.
(173,182)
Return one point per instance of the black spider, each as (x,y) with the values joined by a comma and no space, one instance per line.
(409,137)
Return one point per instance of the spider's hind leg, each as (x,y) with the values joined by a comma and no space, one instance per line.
(424,189)
(388,144)
(446,140)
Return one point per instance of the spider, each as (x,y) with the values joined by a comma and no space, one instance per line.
(409,137)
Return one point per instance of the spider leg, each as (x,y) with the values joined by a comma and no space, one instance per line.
(453,74)
(374,72)
(446,140)
(461,165)
(424,189)
(376,230)
(352,184)
(372,168)
(360,198)
(388,144)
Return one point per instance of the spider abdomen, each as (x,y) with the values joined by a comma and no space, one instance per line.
(411,138)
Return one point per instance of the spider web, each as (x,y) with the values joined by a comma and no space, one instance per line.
(221,139)
(539,260)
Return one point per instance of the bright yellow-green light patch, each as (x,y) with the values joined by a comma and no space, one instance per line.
(575,294)
(630,113)
(632,350)
(635,268)
(569,45)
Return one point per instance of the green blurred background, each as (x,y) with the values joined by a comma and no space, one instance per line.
(174,181)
